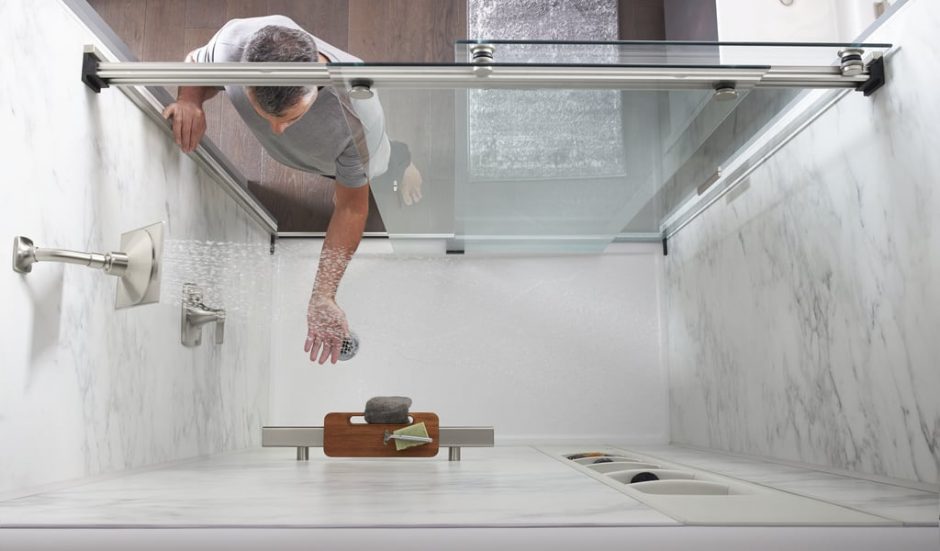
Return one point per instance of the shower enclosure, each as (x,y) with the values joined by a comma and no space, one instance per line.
(559,146)
(579,366)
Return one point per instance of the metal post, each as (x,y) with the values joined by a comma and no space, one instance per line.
(303,453)
(852,63)
(482,57)
(453,453)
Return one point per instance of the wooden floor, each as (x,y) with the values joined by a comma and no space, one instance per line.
(374,30)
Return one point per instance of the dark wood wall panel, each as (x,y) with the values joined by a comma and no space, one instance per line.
(406,30)
(205,14)
(326,19)
(127,18)
(164,30)
(236,9)
(691,20)
(641,20)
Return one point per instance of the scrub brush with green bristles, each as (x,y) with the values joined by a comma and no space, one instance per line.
(409,437)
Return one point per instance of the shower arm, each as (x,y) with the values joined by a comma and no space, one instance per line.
(137,266)
(25,254)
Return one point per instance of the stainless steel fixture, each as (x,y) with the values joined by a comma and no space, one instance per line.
(304,438)
(852,62)
(361,90)
(461,76)
(25,254)
(482,57)
(138,266)
(194,314)
(726,93)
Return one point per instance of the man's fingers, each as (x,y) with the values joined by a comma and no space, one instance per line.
(188,134)
(178,128)
(314,348)
(327,348)
(334,353)
(173,111)
(308,343)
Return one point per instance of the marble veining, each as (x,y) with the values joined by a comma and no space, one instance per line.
(85,389)
(801,312)
(267,487)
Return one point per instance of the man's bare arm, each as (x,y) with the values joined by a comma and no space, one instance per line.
(325,320)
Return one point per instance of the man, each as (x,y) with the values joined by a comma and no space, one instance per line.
(315,130)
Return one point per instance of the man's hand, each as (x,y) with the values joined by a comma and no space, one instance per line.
(189,123)
(410,187)
(326,328)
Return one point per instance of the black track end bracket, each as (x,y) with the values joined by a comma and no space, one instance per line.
(90,76)
(876,77)
(665,247)
(454,247)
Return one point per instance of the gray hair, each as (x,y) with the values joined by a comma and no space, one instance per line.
(281,44)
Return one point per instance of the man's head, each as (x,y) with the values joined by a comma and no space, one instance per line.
(281,105)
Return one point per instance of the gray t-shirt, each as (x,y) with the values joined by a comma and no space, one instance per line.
(338,136)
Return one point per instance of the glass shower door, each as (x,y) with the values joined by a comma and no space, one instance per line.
(566,146)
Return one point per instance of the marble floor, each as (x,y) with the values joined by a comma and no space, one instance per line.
(503,486)
(495,487)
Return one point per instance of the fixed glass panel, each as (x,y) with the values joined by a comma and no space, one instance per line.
(537,170)
(555,165)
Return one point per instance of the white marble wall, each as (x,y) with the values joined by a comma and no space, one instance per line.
(543,348)
(802,312)
(85,389)
(771,20)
